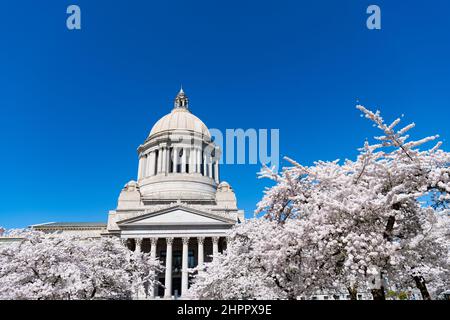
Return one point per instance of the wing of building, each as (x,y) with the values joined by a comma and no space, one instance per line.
(178,209)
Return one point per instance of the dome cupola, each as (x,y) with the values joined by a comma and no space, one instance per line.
(180,120)
(181,100)
(178,160)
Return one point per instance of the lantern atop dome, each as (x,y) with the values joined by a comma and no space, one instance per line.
(181,100)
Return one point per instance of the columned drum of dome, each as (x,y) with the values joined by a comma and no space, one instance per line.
(178,160)
(178,209)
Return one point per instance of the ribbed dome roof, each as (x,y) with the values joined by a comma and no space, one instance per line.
(180,119)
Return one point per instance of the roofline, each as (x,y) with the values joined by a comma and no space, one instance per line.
(69,226)
(177,206)
(40,224)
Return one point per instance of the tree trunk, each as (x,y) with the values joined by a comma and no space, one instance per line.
(421,285)
(93,293)
(378,294)
(377,289)
(353,293)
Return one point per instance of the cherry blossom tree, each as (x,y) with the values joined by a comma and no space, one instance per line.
(372,217)
(374,223)
(261,262)
(49,266)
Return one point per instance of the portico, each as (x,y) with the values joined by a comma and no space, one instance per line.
(177,255)
(181,237)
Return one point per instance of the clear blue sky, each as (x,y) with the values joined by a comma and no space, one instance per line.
(75,105)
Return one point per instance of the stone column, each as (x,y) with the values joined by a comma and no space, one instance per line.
(124,242)
(183,161)
(138,245)
(205,172)
(227,240)
(210,167)
(215,241)
(184,267)
(145,170)
(154,241)
(194,160)
(164,160)
(201,254)
(140,291)
(175,159)
(216,171)
(161,156)
(151,159)
(141,167)
(168,280)
(148,164)
(192,166)
(168,160)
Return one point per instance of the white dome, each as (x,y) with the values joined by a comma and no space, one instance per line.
(180,119)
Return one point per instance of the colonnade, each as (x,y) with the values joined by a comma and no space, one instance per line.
(164,160)
(169,259)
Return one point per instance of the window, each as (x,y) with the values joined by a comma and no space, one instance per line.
(202,168)
(171,158)
(179,159)
(177,259)
(155,171)
(191,259)
(162,257)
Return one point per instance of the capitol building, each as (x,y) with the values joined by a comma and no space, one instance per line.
(178,209)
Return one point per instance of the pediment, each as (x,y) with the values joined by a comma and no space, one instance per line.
(178,215)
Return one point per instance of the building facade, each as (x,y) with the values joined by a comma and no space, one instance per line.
(177,209)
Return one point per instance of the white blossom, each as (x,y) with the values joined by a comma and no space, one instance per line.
(50,266)
(372,223)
